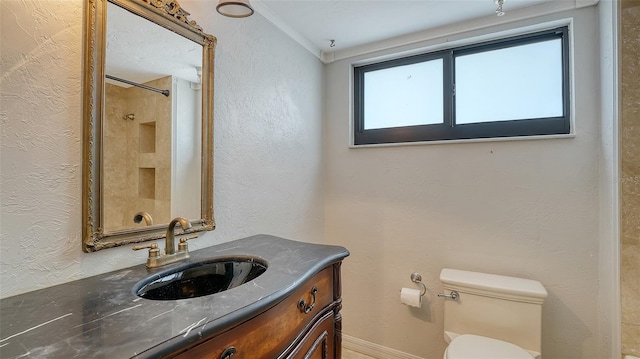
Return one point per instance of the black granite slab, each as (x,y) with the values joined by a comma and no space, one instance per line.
(101,317)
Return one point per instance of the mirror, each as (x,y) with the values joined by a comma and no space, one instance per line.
(148,122)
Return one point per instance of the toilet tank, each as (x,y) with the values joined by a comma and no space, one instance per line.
(494,306)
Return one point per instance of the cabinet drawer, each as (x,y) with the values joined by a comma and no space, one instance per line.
(271,332)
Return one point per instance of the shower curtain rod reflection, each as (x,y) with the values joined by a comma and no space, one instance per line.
(164,92)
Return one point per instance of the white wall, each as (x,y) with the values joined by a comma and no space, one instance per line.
(526,208)
(187,144)
(267,143)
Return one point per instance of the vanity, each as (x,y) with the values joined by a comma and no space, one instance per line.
(291,310)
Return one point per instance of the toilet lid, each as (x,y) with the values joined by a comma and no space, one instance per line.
(468,346)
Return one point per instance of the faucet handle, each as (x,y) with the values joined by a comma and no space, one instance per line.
(182,245)
(153,249)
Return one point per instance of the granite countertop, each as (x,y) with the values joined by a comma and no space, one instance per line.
(101,317)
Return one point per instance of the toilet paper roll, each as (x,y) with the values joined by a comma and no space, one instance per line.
(411,297)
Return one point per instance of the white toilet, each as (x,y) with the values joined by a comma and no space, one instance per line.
(493,316)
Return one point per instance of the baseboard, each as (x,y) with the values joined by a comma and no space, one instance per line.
(374,350)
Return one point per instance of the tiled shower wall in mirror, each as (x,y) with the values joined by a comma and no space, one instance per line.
(630,174)
(137,155)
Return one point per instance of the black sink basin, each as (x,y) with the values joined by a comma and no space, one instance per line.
(197,279)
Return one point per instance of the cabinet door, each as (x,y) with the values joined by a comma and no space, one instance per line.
(319,343)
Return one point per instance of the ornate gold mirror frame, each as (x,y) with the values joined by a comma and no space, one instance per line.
(168,14)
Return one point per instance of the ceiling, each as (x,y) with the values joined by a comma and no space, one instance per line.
(352,24)
(357,22)
(136,56)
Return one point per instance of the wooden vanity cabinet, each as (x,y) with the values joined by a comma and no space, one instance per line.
(305,325)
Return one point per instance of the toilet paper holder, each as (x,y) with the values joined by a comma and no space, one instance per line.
(417,279)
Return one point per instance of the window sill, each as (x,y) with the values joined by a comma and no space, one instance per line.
(471,140)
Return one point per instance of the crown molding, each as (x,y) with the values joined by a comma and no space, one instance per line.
(328,57)
(457,28)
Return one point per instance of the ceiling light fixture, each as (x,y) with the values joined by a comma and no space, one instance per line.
(235,8)
(499,11)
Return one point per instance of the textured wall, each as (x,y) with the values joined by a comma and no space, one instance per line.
(630,175)
(267,142)
(527,208)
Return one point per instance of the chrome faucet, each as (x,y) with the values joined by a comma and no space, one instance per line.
(170,254)
(170,244)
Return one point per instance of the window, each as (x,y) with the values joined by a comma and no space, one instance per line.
(517,86)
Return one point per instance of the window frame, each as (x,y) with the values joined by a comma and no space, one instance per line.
(448,130)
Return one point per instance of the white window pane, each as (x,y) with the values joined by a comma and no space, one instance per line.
(521,82)
(404,96)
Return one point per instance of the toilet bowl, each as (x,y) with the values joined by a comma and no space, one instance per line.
(468,346)
(492,316)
